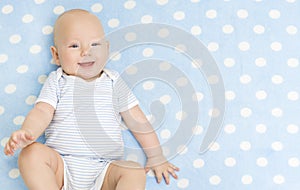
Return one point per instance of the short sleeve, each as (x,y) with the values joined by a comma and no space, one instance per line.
(48,93)
(123,96)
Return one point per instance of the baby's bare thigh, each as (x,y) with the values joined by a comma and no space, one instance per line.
(117,169)
(37,153)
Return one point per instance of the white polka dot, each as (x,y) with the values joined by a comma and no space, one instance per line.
(113,23)
(14,39)
(165,99)
(278,179)
(179,15)
(274,14)
(246,112)
(183,183)
(292,62)
(276,46)
(164,66)
(229,62)
(148,52)
(261,128)
(198,96)
(165,134)
(39,1)
(291,30)
(244,46)
(214,147)
(4,141)
(182,149)
(261,162)
(18,120)
(162,2)
(46,30)
(129,4)
(291,1)
(260,62)
(245,145)
(261,95)
(131,70)
(2,110)
(242,13)
(277,79)
(213,46)
(58,10)
(229,128)
(195,1)
(3,58)
(277,112)
(115,56)
(181,115)
(146,19)
(97,7)
(196,30)
(148,85)
(197,130)
(132,157)
(230,95)
(215,180)
(214,112)
(213,79)
(14,173)
(197,63)
(30,100)
(293,96)
(27,18)
(292,129)
(163,33)
(211,14)
(42,79)
(227,29)
(11,88)
(7,9)
(22,69)
(230,162)
(245,79)
(259,29)
(180,48)
(182,81)
(247,179)
(294,162)
(277,146)
(130,36)
(198,163)
(35,49)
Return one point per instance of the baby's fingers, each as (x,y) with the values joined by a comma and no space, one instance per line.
(166,176)
(158,176)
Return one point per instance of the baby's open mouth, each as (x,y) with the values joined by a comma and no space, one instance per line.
(86,64)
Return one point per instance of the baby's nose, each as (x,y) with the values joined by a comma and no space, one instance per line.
(85,51)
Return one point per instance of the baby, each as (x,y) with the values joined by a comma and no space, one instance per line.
(80,108)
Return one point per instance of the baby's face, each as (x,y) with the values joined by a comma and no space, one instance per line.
(80,46)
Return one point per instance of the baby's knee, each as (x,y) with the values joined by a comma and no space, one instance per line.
(30,154)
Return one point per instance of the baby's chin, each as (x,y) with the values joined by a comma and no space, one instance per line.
(89,76)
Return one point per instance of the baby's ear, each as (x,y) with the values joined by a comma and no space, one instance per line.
(55,56)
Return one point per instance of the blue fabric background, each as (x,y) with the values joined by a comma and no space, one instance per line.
(256,46)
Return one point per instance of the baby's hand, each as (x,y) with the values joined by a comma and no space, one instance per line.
(18,139)
(162,171)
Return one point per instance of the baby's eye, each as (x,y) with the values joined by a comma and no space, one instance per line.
(73,46)
(96,44)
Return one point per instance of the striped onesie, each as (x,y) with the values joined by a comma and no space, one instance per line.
(85,129)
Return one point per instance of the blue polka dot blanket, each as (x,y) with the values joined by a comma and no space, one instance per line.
(219,81)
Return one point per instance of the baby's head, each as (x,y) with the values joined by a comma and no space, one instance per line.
(79,44)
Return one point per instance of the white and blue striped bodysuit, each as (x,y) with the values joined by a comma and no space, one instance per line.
(85,129)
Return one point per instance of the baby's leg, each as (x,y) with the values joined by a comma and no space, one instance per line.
(41,167)
(124,175)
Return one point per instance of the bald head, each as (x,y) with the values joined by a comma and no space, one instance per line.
(75,19)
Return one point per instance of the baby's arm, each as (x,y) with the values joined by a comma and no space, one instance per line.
(142,130)
(34,125)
